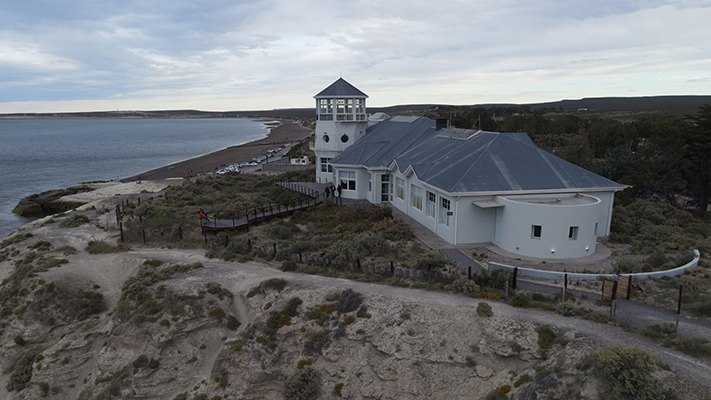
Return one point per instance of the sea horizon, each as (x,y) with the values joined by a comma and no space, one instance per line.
(44,154)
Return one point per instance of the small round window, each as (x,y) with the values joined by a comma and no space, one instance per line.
(326,138)
(344,138)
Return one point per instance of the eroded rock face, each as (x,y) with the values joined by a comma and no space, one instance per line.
(401,351)
(168,335)
(47,203)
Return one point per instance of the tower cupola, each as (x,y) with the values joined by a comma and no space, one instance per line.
(341,120)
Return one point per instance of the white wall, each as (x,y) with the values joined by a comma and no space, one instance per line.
(474,224)
(555,220)
(605,216)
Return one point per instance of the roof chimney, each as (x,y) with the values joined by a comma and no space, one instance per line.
(441,123)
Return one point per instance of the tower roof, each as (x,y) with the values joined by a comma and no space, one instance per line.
(341,88)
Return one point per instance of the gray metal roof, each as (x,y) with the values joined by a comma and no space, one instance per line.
(341,88)
(462,162)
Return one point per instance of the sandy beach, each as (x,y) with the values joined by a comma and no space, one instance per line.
(288,132)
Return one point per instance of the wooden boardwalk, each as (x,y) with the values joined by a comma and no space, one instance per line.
(264,212)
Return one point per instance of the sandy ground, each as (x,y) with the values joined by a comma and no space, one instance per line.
(287,132)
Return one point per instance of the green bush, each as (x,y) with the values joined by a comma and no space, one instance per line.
(289,265)
(546,336)
(464,285)
(140,362)
(628,373)
(567,310)
(349,301)
(660,331)
(431,262)
(305,384)
(521,300)
(275,283)
(74,221)
(694,346)
(21,373)
(495,279)
(484,309)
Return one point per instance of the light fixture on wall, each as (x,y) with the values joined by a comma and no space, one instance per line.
(552,250)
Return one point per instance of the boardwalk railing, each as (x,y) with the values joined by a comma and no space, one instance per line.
(240,219)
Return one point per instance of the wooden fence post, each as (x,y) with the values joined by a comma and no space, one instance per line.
(513,282)
(275,249)
(121,228)
(143,231)
(180,232)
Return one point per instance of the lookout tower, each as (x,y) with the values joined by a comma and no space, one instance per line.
(340,121)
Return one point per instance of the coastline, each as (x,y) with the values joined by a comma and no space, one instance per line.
(288,131)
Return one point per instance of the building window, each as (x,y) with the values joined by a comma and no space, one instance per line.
(536,231)
(416,194)
(400,188)
(340,106)
(385,188)
(431,204)
(347,179)
(325,166)
(370,182)
(326,106)
(444,212)
(326,138)
(344,138)
(573,233)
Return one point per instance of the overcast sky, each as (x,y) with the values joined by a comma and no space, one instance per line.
(84,55)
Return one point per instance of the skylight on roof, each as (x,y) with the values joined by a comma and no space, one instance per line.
(404,118)
(457,133)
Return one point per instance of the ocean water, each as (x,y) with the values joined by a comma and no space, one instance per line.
(37,155)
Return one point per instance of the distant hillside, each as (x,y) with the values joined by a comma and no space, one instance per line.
(670,105)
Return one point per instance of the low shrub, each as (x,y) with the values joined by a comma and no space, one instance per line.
(431,262)
(21,373)
(660,331)
(628,373)
(522,380)
(464,285)
(275,283)
(289,265)
(74,221)
(521,300)
(305,384)
(567,310)
(349,301)
(495,279)
(546,336)
(484,309)
(363,312)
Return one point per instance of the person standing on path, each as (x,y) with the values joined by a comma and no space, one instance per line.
(328,189)
(340,189)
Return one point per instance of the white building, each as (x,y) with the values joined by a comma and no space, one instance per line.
(472,186)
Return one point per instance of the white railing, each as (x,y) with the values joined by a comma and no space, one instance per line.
(542,275)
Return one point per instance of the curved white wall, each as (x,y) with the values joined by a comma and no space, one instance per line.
(520,213)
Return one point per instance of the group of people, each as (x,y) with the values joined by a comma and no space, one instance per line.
(334,190)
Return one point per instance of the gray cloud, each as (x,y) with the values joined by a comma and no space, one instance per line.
(277,53)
